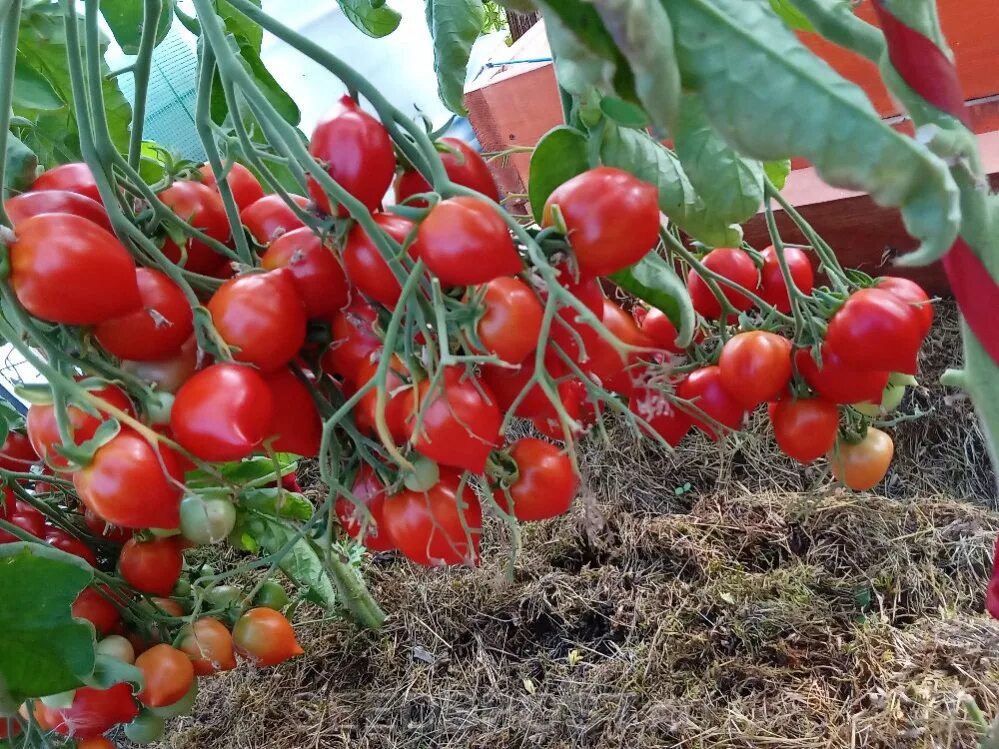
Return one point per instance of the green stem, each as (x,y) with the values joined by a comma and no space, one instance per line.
(151,10)
(8,56)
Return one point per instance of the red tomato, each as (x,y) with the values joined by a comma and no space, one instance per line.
(67,269)
(464,166)
(295,420)
(22,515)
(131,485)
(26,205)
(805,429)
(17,454)
(262,316)
(151,566)
(572,394)
(97,610)
(315,270)
(913,293)
(61,540)
(464,241)
(168,674)
(618,374)
(209,646)
(99,527)
(170,373)
(875,329)
(370,492)
(399,403)
(567,329)
(365,265)
(772,287)
(245,188)
(511,319)
(659,329)
(202,208)
(506,384)
(992,598)
(357,153)
(93,712)
(75,177)
(269,217)
(862,465)
(265,637)
(654,406)
(545,483)
(704,389)
(222,413)
(736,266)
(611,216)
(430,528)
(755,366)
(837,381)
(354,340)
(155,331)
(460,425)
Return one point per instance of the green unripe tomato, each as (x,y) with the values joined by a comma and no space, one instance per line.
(183,588)
(145,729)
(206,521)
(272,596)
(158,407)
(897,378)
(118,647)
(224,595)
(165,532)
(183,706)
(891,399)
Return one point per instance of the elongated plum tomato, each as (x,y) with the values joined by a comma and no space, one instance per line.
(464,166)
(245,188)
(877,330)
(265,637)
(354,340)
(773,288)
(155,331)
(611,216)
(461,422)
(911,292)
(93,712)
(805,429)
(130,485)
(356,151)
(168,674)
(295,420)
(202,208)
(399,400)
(429,527)
(733,264)
(511,319)
(75,177)
(464,241)
(29,204)
(269,217)
(365,265)
(545,482)
(654,405)
(660,330)
(67,269)
(862,465)
(262,316)
(43,428)
(209,646)
(151,566)
(370,492)
(755,366)
(17,453)
(838,381)
(97,610)
(705,390)
(222,413)
(315,270)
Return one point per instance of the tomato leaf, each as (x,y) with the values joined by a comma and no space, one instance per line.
(302,563)
(577,67)
(790,15)
(32,90)
(21,164)
(559,156)
(277,503)
(373,18)
(45,650)
(653,280)
(454,26)
(257,470)
(124,17)
(109,671)
(777,172)
(623,112)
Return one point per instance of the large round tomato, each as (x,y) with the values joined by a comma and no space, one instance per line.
(201,207)
(704,389)
(654,405)
(875,329)
(244,186)
(295,422)
(356,151)
(168,674)
(773,289)
(26,205)
(97,610)
(75,177)
(464,241)
(862,465)
(61,540)
(151,566)
(158,329)
(365,265)
(805,429)
(511,319)
(464,166)
(314,267)
(67,269)
(131,485)
(460,421)
(17,454)
(170,373)
(733,264)
(399,399)
(911,292)
(755,366)
(222,413)
(269,217)
(265,637)
(209,646)
(430,528)
(545,482)
(354,340)
(838,381)
(658,328)
(369,491)
(93,712)
(611,216)
(262,316)
(617,373)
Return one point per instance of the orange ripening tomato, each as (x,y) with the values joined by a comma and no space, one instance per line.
(265,637)
(209,646)
(862,465)
(168,674)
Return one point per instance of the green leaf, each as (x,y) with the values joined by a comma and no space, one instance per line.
(454,26)
(32,90)
(729,184)
(655,281)
(777,171)
(245,471)
(247,32)
(124,17)
(787,102)
(623,112)
(790,15)
(559,156)
(276,503)
(21,164)
(373,18)
(577,68)
(302,563)
(45,650)
(109,671)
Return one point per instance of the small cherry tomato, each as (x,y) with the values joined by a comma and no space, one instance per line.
(265,637)
(168,674)
(399,399)
(209,646)
(618,374)
(659,329)
(545,484)
(838,381)
(354,340)
(295,422)
(511,319)
(61,540)
(733,264)
(74,177)
(911,292)
(806,428)
(877,330)
(315,270)
(17,454)
(245,187)
(773,289)
(96,609)
(269,217)
(862,465)
(169,373)
(201,207)
(93,712)
(369,491)
(367,268)
(151,566)
(654,405)
(704,389)
(464,166)
(29,204)
(755,366)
